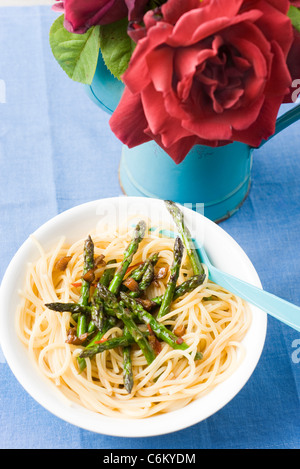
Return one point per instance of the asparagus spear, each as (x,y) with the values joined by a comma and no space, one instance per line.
(91,350)
(97,313)
(114,308)
(82,325)
(159,329)
(108,323)
(185,287)
(148,274)
(131,249)
(178,218)
(69,307)
(137,335)
(175,269)
(108,274)
(97,310)
(88,265)
(138,272)
(127,372)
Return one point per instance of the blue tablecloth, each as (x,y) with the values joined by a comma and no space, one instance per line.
(51,136)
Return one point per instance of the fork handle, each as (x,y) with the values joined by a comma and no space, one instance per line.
(280,309)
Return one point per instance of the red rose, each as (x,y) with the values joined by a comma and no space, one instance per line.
(80,15)
(206,73)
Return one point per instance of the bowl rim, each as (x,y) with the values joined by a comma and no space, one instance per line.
(51,399)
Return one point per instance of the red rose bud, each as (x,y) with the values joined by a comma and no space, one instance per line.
(80,15)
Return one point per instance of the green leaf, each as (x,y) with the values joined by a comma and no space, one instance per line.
(116,46)
(294,15)
(77,54)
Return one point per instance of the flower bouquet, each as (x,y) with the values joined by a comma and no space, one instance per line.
(195,72)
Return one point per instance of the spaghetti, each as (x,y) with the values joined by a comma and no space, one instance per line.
(211,320)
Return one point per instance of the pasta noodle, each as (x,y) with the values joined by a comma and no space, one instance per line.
(214,320)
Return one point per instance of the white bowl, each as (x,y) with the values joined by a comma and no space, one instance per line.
(75,223)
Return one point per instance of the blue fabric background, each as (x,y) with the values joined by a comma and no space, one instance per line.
(57,151)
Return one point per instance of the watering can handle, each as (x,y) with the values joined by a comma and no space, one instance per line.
(284,121)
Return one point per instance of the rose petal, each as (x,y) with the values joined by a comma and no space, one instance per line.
(172,10)
(226,99)
(179,149)
(279,28)
(186,60)
(209,128)
(212,10)
(263,127)
(280,78)
(204,22)
(128,120)
(161,76)
(137,75)
(159,121)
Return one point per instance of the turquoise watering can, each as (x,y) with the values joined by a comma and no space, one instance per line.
(213,181)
